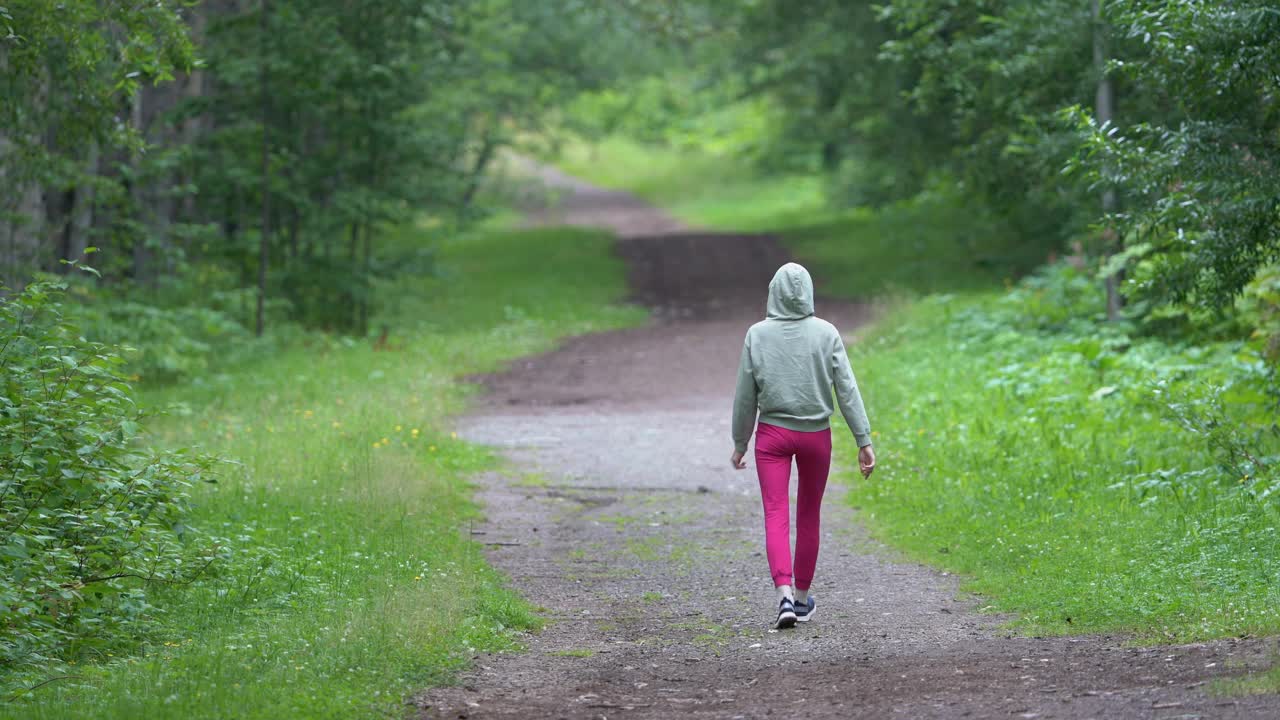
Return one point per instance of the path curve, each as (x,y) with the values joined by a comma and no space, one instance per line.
(620,516)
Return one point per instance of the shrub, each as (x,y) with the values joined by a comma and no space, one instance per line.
(167,344)
(88,518)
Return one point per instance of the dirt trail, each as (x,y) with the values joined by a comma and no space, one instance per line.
(624,520)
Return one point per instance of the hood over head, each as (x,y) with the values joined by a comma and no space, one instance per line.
(790,294)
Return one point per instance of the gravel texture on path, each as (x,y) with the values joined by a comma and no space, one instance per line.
(619,514)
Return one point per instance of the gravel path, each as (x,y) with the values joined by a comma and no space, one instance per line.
(619,514)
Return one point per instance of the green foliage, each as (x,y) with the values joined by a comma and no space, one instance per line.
(1084,478)
(1260,310)
(68,69)
(993,75)
(1201,194)
(165,343)
(89,522)
(840,107)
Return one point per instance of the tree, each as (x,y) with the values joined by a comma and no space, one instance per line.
(1202,197)
(67,69)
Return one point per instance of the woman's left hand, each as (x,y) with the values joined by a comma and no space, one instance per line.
(737,461)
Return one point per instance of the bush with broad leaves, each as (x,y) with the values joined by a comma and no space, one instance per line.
(89,519)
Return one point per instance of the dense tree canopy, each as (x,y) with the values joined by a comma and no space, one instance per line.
(277,140)
(271,140)
(1138,129)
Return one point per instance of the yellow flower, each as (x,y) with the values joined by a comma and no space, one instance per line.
(337,424)
(432,448)
(386,441)
(453,435)
(399,428)
(414,432)
(377,444)
(417,577)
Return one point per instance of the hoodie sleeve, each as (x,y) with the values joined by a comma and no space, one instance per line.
(848,396)
(744,400)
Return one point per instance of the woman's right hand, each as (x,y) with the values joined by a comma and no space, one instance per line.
(866,460)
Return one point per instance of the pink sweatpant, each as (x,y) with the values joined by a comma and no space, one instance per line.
(775,446)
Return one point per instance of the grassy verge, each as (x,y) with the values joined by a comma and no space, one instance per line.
(354,580)
(1083,479)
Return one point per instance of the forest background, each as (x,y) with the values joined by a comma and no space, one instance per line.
(1059,193)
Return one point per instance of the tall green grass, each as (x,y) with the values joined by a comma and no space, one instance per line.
(1076,475)
(353,580)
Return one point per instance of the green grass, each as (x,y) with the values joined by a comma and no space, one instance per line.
(1052,476)
(355,581)
(703,189)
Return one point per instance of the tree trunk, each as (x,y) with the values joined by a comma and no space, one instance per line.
(487,149)
(830,92)
(25,228)
(264,237)
(1104,106)
(22,206)
(82,208)
(366,283)
(138,193)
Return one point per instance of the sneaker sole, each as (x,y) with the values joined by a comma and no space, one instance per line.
(785,620)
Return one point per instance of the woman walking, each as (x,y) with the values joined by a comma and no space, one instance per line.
(790,363)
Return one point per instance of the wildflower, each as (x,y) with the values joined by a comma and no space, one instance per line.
(399,428)
(414,432)
(432,448)
(336,424)
(453,435)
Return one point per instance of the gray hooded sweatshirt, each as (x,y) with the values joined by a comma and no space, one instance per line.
(790,362)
